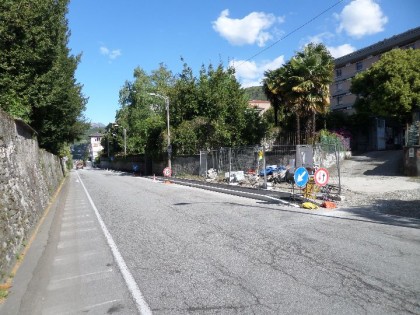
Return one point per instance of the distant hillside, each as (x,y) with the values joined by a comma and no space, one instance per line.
(97,125)
(255,93)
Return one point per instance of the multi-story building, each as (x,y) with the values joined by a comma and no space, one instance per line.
(348,66)
(95,145)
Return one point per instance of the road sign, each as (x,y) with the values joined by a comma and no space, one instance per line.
(167,172)
(301,177)
(321,177)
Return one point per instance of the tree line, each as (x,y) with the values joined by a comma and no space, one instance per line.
(37,72)
(207,110)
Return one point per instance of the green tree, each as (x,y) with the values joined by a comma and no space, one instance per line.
(302,84)
(279,89)
(391,87)
(272,92)
(137,113)
(255,93)
(225,104)
(312,73)
(207,111)
(37,82)
(214,108)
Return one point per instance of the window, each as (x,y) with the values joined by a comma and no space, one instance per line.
(339,86)
(338,72)
(339,100)
(359,66)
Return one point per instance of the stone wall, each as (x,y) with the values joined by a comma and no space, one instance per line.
(29,177)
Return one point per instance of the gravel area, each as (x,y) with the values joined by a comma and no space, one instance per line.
(375,180)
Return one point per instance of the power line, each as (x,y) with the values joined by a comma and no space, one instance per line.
(290,33)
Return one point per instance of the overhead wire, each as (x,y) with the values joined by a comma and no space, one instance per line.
(292,32)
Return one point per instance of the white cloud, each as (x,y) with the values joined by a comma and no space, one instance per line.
(111,54)
(251,73)
(252,29)
(361,17)
(319,38)
(341,50)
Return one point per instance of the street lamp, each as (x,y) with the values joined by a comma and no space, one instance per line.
(167,121)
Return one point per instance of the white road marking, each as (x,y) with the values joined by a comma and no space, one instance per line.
(77,223)
(69,217)
(88,308)
(141,304)
(82,241)
(62,259)
(67,231)
(82,276)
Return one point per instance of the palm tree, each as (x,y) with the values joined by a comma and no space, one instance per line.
(278,87)
(311,75)
(272,88)
(302,84)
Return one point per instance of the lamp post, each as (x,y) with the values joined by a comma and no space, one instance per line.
(169,149)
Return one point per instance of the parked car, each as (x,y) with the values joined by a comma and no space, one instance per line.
(79,165)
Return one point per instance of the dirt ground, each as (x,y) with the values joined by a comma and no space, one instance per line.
(375,181)
(377,172)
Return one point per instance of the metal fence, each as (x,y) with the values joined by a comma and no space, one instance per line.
(328,156)
(295,138)
(225,159)
(254,160)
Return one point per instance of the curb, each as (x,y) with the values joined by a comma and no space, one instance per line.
(257,194)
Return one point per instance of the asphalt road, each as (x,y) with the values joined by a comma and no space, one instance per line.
(193,251)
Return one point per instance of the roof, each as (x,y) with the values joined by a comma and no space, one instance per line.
(97,134)
(387,44)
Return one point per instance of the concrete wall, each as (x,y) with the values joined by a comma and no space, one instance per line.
(139,164)
(181,165)
(28,179)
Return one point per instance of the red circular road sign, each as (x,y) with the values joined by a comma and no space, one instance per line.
(321,177)
(167,172)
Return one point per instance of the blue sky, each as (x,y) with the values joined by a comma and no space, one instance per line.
(115,37)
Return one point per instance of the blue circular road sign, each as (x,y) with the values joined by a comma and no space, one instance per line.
(301,177)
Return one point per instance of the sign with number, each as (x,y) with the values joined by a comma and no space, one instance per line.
(167,172)
(301,177)
(321,177)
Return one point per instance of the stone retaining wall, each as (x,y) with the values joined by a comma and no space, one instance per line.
(29,177)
